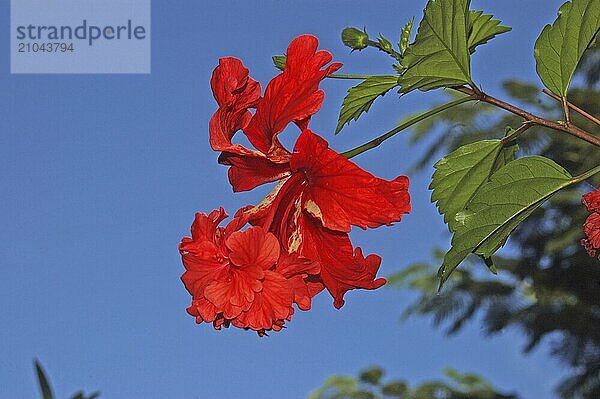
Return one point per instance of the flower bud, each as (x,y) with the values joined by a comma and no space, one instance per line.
(354,38)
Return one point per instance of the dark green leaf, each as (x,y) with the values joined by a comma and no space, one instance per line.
(439,57)
(499,206)
(43,381)
(361,96)
(395,389)
(372,375)
(459,175)
(483,28)
(561,45)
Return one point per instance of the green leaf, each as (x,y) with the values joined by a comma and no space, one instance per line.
(499,206)
(43,381)
(396,389)
(279,61)
(384,43)
(371,375)
(459,175)
(361,96)
(439,57)
(405,36)
(561,45)
(483,28)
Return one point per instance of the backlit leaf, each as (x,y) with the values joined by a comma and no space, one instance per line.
(483,29)
(361,96)
(560,46)
(499,206)
(439,57)
(459,175)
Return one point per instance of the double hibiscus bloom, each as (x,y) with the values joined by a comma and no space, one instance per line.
(297,241)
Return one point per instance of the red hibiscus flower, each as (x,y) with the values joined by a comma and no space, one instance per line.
(320,194)
(591,227)
(242,277)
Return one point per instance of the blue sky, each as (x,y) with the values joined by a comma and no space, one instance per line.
(101,177)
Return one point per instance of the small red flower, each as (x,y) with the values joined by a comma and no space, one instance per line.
(321,194)
(242,277)
(591,226)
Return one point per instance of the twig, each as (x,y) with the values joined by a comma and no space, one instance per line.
(562,127)
(573,107)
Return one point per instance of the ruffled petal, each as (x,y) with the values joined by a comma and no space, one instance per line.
(302,275)
(203,310)
(341,269)
(292,96)
(236,292)
(252,170)
(341,194)
(271,307)
(253,248)
(204,264)
(235,92)
(592,200)
(204,227)
(591,228)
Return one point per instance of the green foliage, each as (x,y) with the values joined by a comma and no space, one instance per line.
(459,175)
(384,44)
(279,61)
(46,389)
(360,97)
(405,36)
(355,38)
(439,57)
(499,206)
(482,29)
(459,386)
(560,46)
(372,375)
(551,288)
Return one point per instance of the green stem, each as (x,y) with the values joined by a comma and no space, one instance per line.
(397,56)
(522,129)
(343,76)
(416,119)
(586,175)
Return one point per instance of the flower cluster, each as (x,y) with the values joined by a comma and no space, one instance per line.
(591,227)
(298,241)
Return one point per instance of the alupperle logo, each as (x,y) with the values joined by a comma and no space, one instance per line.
(85,32)
(80,36)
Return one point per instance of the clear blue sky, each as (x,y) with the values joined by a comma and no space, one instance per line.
(101,176)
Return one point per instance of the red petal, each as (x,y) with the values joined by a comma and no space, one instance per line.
(292,96)
(236,293)
(302,274)
(202,268)
(235,92)
(203,310)
(591,228)
(250,171)
(204,227)
(270,307)
(592,200)
(341,269)
(341,194)
(253,248)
